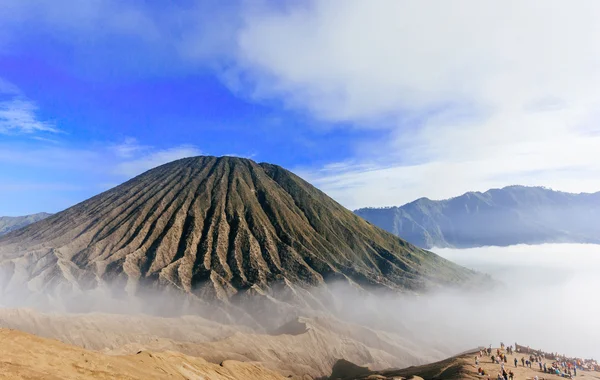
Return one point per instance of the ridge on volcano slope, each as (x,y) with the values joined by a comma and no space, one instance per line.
(214,228)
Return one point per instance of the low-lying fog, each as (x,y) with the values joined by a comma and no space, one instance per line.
(551,298)
(548,300)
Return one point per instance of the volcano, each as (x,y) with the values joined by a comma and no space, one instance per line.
(215,227)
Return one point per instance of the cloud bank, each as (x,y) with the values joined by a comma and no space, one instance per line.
(548,302)
(458,96)
(466,94)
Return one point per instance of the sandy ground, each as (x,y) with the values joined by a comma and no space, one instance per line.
(308,346)
(305,346)
(461,367)
(24,356)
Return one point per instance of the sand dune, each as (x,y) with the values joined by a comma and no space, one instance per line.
(305,346)
(24,356)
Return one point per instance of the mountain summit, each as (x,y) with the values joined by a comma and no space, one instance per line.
(214,227)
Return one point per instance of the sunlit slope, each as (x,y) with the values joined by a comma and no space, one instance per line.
(303,346)
(24,356)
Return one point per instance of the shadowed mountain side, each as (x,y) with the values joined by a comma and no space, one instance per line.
(501,217)
(12,223)
(213,228)
(450,369)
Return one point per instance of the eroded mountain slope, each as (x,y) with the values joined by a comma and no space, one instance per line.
(212,228)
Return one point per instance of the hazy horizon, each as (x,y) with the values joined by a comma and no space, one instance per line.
(543,288)
(549,299)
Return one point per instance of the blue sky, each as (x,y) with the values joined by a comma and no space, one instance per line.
(376,104)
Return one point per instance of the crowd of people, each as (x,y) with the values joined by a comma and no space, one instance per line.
(533,359)
(562,363)
(498,357)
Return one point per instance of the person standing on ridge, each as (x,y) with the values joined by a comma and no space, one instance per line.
(516,362)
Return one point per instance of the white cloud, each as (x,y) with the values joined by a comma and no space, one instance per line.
(98,18)
(18,116)
(468,94)
(128,148)
(359,60)
(567,165)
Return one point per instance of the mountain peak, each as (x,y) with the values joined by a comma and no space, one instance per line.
(214,227)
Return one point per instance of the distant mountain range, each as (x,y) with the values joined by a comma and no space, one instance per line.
(11,223)
(499,217)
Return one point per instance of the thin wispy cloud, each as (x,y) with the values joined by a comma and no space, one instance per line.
(100,159)
(165,37)
(70,174)
(154,158)
(130,147)
(19,116)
